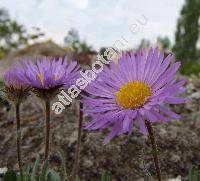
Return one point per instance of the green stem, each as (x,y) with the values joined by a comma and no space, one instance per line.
(17,106)
(78,144)
(154,149)
(47,131)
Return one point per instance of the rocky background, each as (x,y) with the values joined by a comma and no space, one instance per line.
(125,158)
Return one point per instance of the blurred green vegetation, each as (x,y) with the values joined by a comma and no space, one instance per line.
(189,68)
(34,173)
(187,37)
(194,174)
(105,177)
(187,32)
(12,34)
(29,173)
(73,42)
(165,42)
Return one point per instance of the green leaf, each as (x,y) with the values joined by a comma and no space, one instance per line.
(78,178)
(44,170)
(26,172)
(10,176)
(63,165)
(33,175)
(193,174)
(53,176)
(28,178)
(105,177)
(19,134)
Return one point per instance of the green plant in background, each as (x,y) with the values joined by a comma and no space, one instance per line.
(12,34)
(190,67)
(63,166)
(31,174)
(10,176)
(73,42)
(194,174)
(105,177)
(165,42)
(188,32)
(187,37)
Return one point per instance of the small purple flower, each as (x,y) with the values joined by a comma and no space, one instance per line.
(46,76)
(138,88)
(12,79)
(14,88)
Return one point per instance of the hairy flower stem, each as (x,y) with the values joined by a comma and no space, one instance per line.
(78,144)
(154,149)
(17,106)
(47,131)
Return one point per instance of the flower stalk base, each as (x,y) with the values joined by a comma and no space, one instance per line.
(154,149)
(47,128)
(18,135)
(78,144)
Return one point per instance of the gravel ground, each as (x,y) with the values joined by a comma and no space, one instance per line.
(125,158)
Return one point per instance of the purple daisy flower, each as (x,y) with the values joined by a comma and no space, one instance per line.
(138,88)
(11,78)
(14,88)
(47,76)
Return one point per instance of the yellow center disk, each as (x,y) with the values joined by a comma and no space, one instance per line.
(133,95)
(41,77)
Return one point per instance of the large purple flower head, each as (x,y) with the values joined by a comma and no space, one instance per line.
(138,88)
(47,76)
(14,88)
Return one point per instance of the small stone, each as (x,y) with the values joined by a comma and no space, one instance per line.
(3,170)
(175,158)
(87,163)
(175,179)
